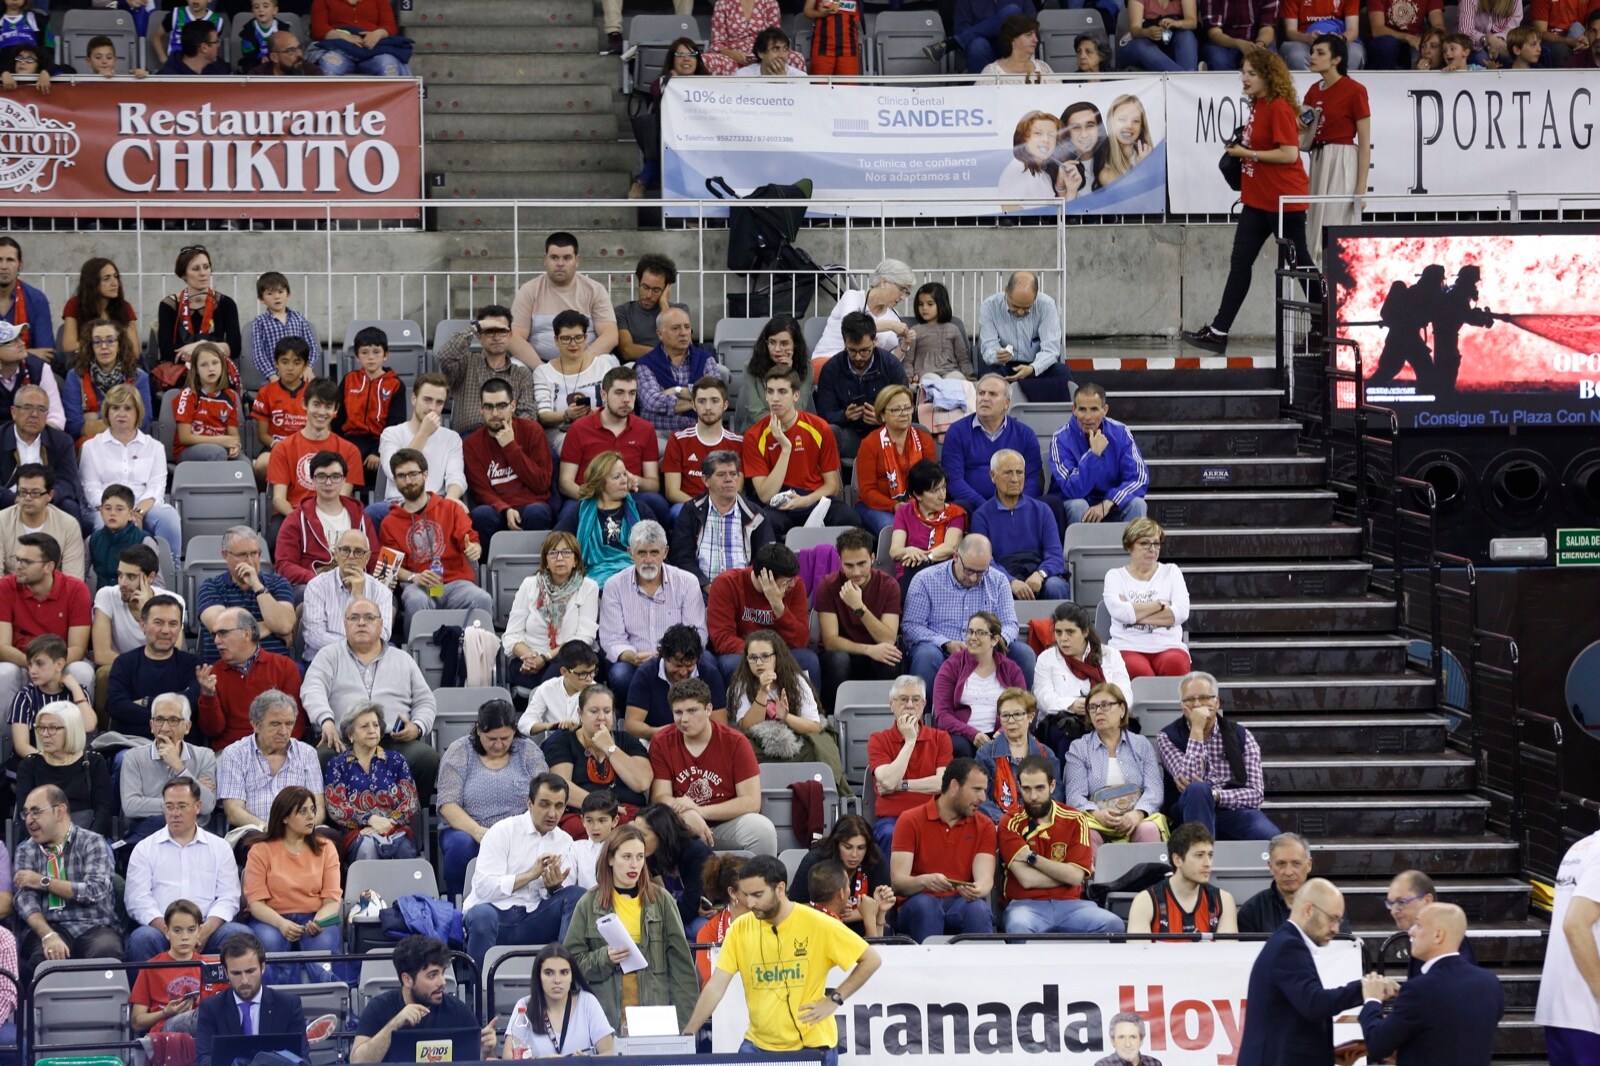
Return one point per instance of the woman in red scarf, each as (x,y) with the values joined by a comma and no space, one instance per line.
(1067,671)
(927,527)
(195,313)
(1002,755)
(886,457)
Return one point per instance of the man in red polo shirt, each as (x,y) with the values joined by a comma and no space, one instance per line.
(707,772)
(942,862)
(792,459)
(615,428)
(907,760)
(1048,856)
(39,599)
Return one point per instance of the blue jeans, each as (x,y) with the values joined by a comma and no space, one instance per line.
(925,662)
(977,40)
(145,943)
(830,1056)
(807,659)
(1182,54)
(1054,588)
(337,65)
(330,940)
(1220,57)
(459,849)
(1060,916)
(488,521)
(1389,53)
(1128,512)
(1196,805)
(922,916)
(488,925)
(874,522)
(619,675)
(883,833)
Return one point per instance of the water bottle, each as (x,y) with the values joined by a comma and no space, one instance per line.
(436,568)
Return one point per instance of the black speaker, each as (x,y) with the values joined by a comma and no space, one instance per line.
(1500,484)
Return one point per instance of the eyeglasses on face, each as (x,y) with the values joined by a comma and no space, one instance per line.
(1104,705)
(364,616)
(1195,701)
(351,553)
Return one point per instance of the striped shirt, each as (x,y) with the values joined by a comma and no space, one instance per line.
(221,590)
(25,705)
(265,333)
(1208,761)
(722,541)
(243,774)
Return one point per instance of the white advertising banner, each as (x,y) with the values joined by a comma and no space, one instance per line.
(1433,135)
(963,149)
(1049,1003)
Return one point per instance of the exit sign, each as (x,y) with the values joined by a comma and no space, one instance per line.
(1578,547)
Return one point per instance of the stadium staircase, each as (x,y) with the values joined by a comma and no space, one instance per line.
(1356,757)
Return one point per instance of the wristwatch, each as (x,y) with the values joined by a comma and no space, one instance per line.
(44,884)
(1032,859)
(833,994)
(861,612)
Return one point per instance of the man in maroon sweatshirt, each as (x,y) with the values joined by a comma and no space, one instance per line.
(767,594)
(508,467)
(303,550)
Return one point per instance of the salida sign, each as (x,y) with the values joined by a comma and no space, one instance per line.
(182,140)
(1049,1003)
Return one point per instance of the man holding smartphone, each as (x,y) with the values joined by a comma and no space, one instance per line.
(847,391)
(472,356)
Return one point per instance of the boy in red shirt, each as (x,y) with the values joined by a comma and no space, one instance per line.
(289,471)
(279,408)
(792,459)
(372,396)
(682,479)
(164,1000)
(767,594)
(707,773)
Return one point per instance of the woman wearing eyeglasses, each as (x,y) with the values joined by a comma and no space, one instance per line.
(967,689)
(556,603)
(889,285)
(62,761)
(683,61)
(107,357)
(371,795)
(1114,774)
(1001,757)
(885,459)
(770,698)
(1148,602)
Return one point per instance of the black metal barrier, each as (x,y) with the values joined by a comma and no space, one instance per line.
(25,1028)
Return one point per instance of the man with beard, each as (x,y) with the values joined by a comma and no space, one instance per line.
(508,466)
(249,1007)
(437,540)
(783,954)
(942,861)
(1048,858)
(423,964)
(1127,1036)
(286,59)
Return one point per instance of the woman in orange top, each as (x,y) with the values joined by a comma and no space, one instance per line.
(883,465)
(291,884)
(720,882)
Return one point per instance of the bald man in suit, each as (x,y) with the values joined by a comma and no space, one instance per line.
(1448,1013)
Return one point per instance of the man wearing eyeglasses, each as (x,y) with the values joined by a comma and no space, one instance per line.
(1409,893)
(268,597)
(365,667)
(35,513)
(1216,765)
(29,438)
(508,464)
(654,277)
(285,59)
(471,357)
(1019,337)
(181,861)
(64,891)
(244,670)
(942,598)
(147,771)
(330,593)
(304,546)
(907,760)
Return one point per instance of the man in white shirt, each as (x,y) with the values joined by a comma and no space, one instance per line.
(330,593)
(427,433)
(554,704)
(1569,990)
(34,512)
(118,628)
(524,887)
(182,861)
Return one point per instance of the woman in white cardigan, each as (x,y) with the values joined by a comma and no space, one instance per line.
(1148,602)
(1067,671)
(122,455)
(557,603)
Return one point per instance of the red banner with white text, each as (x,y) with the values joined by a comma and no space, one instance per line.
(176,143)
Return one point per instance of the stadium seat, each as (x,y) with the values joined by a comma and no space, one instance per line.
(1060,27)
(210,497)
(645,48)
(777,800)
(513,558)
(812,329)
(420,628)
(791,857)
(861,709)
(1028,610)
(885,541)
(898,40)
(457,711)
(80,26)
(446,328)
(1043,418)
(317,999)
(800,538)
(291,22)
(1092,550)
(735,339)
(1154,702)
(408,352)
(507,980)
(391,879)
(79,1006)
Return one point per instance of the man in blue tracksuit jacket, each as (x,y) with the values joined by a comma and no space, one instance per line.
(1095,465)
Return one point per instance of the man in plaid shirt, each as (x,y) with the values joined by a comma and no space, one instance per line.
(63,883)
(1233,27)
(1216,765)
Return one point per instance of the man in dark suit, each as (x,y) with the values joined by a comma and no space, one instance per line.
(268,1011)
(1449,1012)
(1290,1020)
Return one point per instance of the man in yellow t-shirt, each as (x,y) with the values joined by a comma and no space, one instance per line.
(784,954)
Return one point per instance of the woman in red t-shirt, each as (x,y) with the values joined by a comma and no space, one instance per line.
(1342,149)
(1270,151)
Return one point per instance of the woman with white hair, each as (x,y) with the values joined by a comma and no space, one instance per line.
(62,761)
(370,792)
(889,284)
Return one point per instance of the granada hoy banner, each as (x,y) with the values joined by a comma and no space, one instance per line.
(177,142)
(955,150)
(1050,1004)
(1436,136)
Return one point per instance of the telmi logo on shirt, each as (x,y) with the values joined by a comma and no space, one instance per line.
(779,975)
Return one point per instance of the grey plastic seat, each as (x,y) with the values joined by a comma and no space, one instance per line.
(898,40)
(777,801)
(1059,29)
(1092,550)
(513,558)
(391,879)
(647,40)
(211,497)
(80,26)
(420,628)
(408,351)
(457,712)
(79,1006)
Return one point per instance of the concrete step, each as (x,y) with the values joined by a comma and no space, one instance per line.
(1291,542)
(1163,440)
(1317,816)
(1198,405)
(1323,694)
(1350,734)
(1485,899)
(485,252)
(1276,581)
(506,156)
(1436,772)
(517,14)
(1355,614)
(1520,985)
(511,185)
(439,39)
(1386,855)
(511,101)
(516,68)
(570,129)
(1277,507)
(1227,656)
(1263,472)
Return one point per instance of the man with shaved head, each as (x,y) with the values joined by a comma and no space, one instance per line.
(1290,1020)
(285,59)
(1019,338)
(1448,1013)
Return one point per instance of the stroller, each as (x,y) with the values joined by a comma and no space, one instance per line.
(762,239)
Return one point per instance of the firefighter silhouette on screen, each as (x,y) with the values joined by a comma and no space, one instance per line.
(1458,309)
(1410,310)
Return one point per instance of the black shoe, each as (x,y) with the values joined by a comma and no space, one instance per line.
(937,52)
(613,45)
(1207,338)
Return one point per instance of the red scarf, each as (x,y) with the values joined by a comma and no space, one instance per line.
(1004,786)
(19,308)
(1083,671)
(939,523)
(183,328)
(895,465)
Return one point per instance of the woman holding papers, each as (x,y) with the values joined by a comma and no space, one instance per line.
(628,938)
